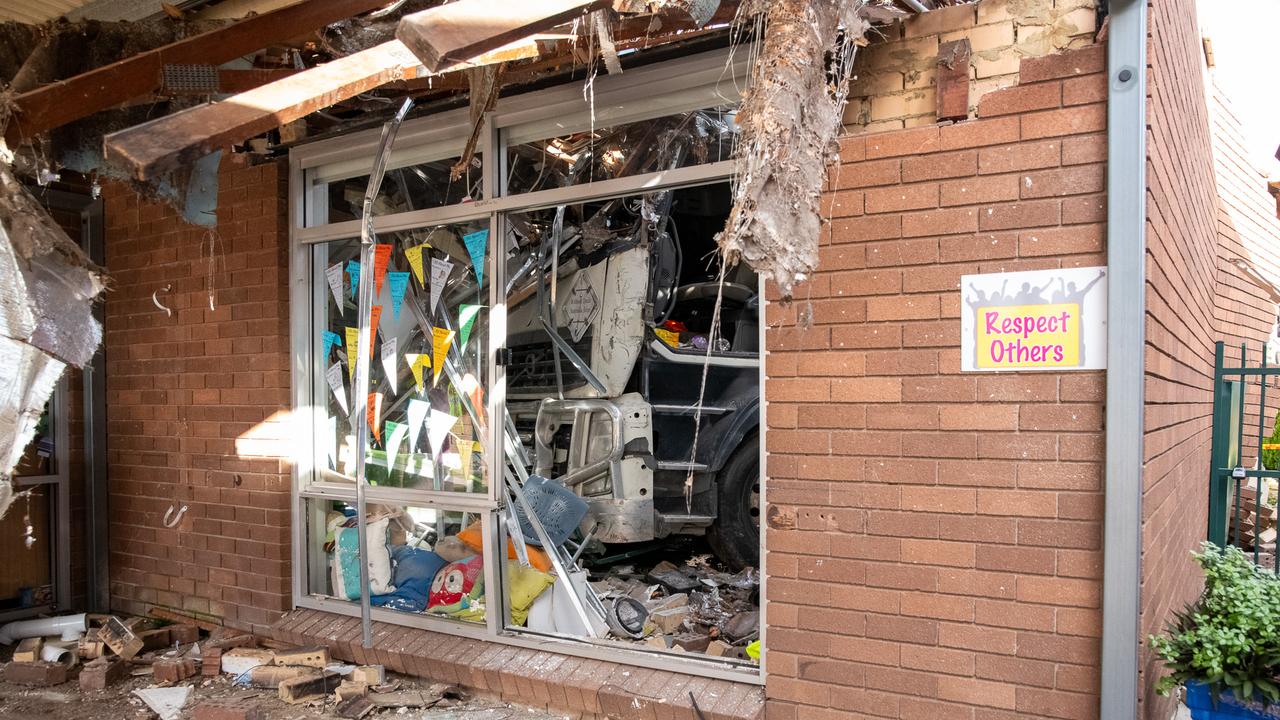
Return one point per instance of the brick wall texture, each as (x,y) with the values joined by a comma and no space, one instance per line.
(934,538)
(894,78)
(197,402)
(1206,205)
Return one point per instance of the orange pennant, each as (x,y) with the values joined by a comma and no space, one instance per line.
(381,256)
(375,315)
(373,412)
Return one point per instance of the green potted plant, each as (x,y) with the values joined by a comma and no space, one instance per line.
(1225,647)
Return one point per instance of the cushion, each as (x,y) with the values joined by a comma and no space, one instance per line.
(345,561)
(537,556)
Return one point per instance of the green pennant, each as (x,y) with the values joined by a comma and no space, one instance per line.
(466,319)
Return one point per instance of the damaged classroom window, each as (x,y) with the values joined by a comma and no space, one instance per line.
(562,415)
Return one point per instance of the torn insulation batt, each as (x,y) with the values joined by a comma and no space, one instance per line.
(47,288)
(789,119)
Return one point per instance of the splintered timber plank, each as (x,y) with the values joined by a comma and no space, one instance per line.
(168,143)
(164,144)
(459,31)
(59,103)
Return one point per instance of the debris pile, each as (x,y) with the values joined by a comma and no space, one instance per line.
(693,607)
(1253,522)
(181,672)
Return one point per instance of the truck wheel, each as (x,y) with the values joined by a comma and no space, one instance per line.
(735,536)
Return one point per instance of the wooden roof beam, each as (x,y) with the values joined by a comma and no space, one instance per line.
(458,31)
(58,103)
(165,144)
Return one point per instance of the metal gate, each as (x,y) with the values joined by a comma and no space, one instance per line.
(1231,501)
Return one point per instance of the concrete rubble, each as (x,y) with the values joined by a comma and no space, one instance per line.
(183,671)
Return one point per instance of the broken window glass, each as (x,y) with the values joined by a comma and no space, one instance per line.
(404,189)
(421,559)
(612,309)
(426,395)
(680,140)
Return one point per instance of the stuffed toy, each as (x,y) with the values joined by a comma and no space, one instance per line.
(457,587)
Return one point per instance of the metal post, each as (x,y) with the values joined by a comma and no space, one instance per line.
(359,421)
(1260,480)
(1126,318)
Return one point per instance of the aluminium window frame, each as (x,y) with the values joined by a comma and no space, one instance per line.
(697,81)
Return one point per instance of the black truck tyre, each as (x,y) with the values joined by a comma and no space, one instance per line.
(735,535)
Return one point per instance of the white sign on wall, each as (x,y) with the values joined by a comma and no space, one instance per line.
(1038,320)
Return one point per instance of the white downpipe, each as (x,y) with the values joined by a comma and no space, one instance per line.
(68,627)
(60,652)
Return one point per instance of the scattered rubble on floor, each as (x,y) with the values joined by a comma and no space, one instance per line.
(695,607)
(135,668)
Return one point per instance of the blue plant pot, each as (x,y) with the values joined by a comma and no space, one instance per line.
(1203,706)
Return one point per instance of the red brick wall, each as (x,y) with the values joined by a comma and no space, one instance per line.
(934,538)
(1203,209)
(197,403)
(1181,274)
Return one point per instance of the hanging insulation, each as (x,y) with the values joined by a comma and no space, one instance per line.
(788,120)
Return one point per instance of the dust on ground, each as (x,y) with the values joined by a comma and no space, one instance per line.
(68,702)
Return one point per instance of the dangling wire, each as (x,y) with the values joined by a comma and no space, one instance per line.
(211,262)
(712,338)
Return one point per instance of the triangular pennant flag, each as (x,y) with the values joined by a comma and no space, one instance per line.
(375,316)
(331,440)
(465,449)
(440,269)
(389,363)
(381,255)
(415,366)
(438,425)
(353,347)
(476,243)
(334,376)
(414,256)
(353,269)
(395,436)
(334,275)
(471,388)
(399,282)
(331,340)
(466,318)
(373,413)
(440,341)
(417,416)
